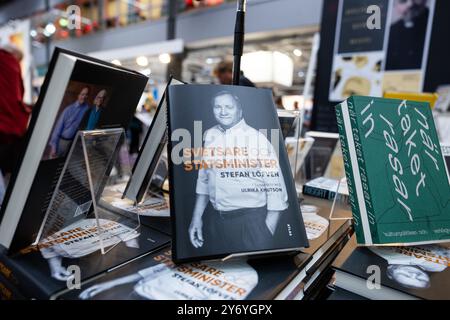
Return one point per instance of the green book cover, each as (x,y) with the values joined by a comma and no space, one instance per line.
(397,177)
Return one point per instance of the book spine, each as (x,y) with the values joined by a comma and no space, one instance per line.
(349,174)
(8,291)
(360,172)
(171,178)
(20,280)
(318,192)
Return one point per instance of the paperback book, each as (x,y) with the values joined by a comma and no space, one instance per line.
(397,178)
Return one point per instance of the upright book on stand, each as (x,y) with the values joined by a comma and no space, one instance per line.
(50,219)
(234,193)
(396,175)
(79,93)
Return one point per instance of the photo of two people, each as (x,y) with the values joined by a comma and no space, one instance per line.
(81,109)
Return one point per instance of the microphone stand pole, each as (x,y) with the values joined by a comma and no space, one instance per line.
(238,40)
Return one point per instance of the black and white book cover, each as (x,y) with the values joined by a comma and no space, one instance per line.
(156,277)
(405,272)
(79,93)
(72,256)
(232,191)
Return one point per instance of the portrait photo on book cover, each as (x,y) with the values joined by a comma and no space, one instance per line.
(415,267)
(410,22)
(239,191)
(81,109)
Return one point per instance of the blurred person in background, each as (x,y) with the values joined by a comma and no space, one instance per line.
(279,102)
(224,73)
(14,113)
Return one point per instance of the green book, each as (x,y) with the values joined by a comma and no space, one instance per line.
(397,178)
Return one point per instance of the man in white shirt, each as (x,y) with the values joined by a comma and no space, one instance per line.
(242,182)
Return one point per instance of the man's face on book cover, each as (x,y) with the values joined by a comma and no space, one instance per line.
(83,95)
(226,111)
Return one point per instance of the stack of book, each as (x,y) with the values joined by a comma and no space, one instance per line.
(326,238)
(397,273)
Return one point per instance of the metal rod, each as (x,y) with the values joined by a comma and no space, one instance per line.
(239,31)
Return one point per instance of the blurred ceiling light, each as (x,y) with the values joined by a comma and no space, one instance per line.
(164,58)
(142,61)
(146,72)
(301,74)
(268,67)
(116,62)
(33,33)
(210,61)
(298,52)
(49,29)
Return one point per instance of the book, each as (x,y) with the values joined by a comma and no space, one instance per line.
(232,191)
(326,188)
(79,93)
(325,237)
(9,292)
(149,165)
(403,272)
(315,285)
(318,161)
(156,277)
(47,270)
(397,179)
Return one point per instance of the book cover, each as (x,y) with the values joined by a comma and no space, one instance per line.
(415,272)
(73,254)
(232,190)
(79,93)
(398,183)
(156,277)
